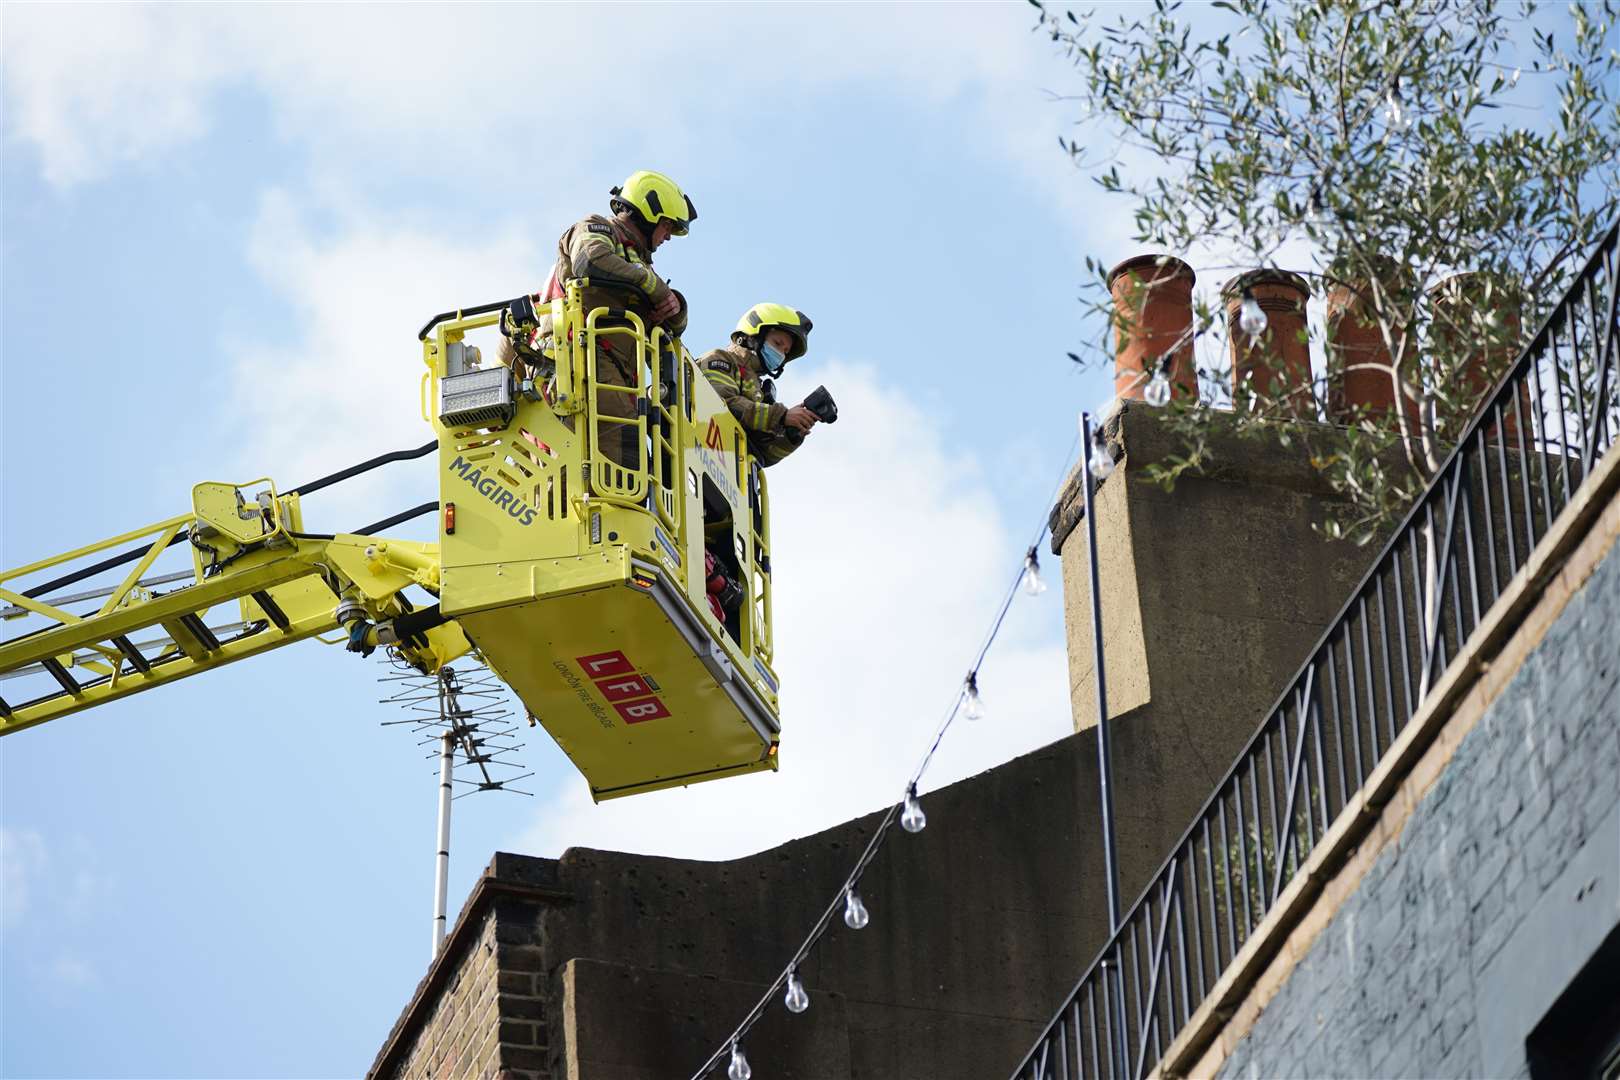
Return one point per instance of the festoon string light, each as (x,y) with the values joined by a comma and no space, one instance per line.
(967,703)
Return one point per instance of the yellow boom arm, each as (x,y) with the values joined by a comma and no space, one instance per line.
(247,550)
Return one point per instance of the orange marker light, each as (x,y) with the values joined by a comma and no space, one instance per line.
(449,519)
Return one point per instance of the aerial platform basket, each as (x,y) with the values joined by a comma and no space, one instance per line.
(576,516)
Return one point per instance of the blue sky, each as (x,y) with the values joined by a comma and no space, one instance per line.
(221,229)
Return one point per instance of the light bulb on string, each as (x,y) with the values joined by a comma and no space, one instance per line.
(973,705)
(796,999)
(855,915)
(739,1068)
(1101,462)
(1157,393)
(1394,108)
(1033,585)
(1251,317)
(912,818)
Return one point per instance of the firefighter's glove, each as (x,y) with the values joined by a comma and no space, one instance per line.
(799,420)
(667,307)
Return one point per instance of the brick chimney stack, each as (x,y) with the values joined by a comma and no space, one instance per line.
(1212,593)
(1153,316)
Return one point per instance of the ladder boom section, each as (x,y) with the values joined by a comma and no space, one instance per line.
(256,583)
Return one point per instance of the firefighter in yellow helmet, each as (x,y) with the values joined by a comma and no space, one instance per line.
(767,337)
(616,253)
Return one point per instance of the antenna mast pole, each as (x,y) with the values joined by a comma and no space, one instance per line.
(462,714)
(447,755)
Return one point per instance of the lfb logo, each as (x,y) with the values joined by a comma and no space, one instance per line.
(616,680)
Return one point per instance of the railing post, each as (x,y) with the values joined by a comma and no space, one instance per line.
(1604,359)
(1105,770)
(1104,757)
(1306,704)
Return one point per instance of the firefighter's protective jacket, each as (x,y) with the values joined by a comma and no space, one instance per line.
(737,373)
(616,259)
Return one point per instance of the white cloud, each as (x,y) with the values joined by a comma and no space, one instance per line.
(344,385)
(68,973)
(890,561)
(424,90)
(52,897)
(62,879)
(23,861)
(121,84)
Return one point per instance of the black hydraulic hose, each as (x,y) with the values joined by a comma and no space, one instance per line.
(365,466)
(315,485)
(90,571)
(403,515)
(376,526)
(412,623)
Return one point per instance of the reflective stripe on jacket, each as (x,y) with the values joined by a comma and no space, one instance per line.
(615,258)
(736,372)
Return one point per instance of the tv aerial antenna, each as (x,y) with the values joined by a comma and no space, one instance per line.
(463,715)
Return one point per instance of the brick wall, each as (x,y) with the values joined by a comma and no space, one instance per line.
(459,1033)
(481,1011)
(1500,887)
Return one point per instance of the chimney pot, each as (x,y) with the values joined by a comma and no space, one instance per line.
(1360,375)
(1153,316)
(1276,364)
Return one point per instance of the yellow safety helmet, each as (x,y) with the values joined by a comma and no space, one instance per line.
(656,198)
(762,317)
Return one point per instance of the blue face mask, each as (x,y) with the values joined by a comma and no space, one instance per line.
(772,358)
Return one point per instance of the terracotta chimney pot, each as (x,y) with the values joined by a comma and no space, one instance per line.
(1359,365)
(1152,316)
(1277,363)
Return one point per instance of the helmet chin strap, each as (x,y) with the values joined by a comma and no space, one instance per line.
(644,228)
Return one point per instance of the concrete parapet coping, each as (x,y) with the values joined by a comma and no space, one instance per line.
(1233,458)
(1577,542)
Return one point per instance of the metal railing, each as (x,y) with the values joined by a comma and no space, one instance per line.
(1532,444)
